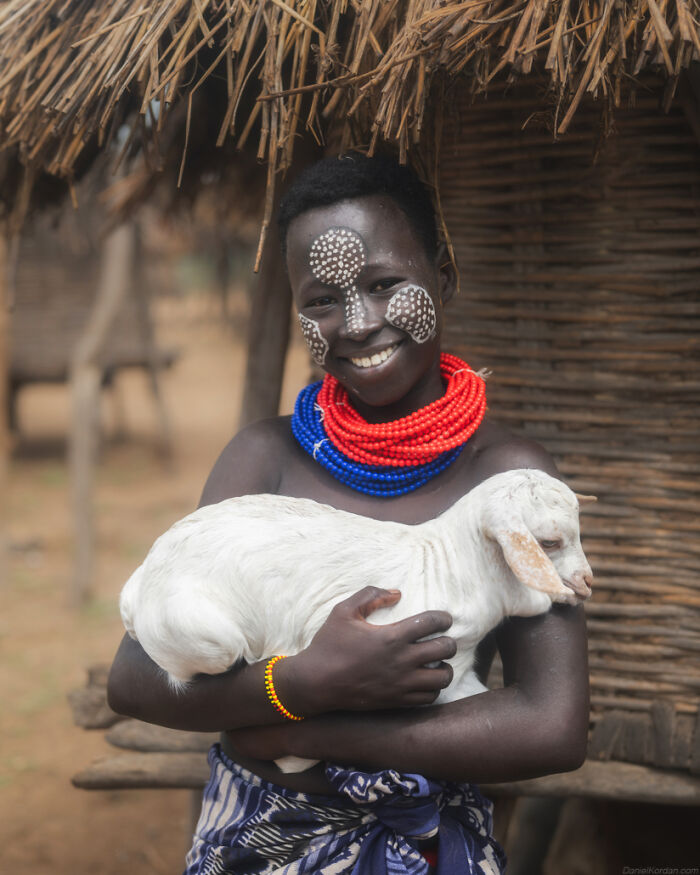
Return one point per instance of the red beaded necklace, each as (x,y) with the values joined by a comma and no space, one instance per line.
(420,437)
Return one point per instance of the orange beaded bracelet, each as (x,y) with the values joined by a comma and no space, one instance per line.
(270,689)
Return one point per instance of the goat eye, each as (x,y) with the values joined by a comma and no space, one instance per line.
(550,545)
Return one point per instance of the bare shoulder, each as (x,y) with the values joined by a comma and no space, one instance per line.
(500,450)
(251,463)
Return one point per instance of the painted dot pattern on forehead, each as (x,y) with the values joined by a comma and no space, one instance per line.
(412,310)
(337,257)
(317,343)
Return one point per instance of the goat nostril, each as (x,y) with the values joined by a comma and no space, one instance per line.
(580,583)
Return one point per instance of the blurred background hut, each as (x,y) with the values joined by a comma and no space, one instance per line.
(561,140)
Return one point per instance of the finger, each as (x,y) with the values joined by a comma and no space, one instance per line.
(425,679)
(420,625)
(367,600)
(411,700)
(433,650)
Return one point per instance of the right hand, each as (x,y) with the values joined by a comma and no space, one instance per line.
(352,665)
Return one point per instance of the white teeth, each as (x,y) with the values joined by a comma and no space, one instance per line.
(377,359)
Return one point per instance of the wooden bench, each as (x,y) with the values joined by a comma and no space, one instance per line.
(156,757)
(533,819)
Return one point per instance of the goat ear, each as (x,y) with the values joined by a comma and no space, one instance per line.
(529,563)
(585,499)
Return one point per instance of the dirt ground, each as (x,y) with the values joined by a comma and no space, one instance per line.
(47,826)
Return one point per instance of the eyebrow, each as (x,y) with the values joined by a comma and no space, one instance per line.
(391,263)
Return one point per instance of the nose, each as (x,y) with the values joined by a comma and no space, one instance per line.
(582,581)
(361,318)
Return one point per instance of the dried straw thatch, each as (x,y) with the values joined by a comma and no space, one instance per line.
(74,70)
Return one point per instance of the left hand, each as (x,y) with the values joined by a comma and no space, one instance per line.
(261,742)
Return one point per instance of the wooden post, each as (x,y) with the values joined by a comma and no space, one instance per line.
(143,311)
(4,403)
(86,381)
(268,337)
(268,331)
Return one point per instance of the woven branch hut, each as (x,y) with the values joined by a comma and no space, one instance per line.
(561,137)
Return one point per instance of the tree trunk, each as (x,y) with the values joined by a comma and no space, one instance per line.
(143,309)
(268,337)
(268,331)
(86,381)
(4,403)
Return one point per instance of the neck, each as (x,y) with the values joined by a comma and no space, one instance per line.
(428,389)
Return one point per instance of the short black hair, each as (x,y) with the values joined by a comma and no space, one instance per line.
(354,175)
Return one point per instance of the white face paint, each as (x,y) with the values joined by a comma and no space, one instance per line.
(412,310)
(316,342)
(337,257)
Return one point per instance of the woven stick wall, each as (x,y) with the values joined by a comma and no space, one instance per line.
(54,294)
(54,286)
(579,289)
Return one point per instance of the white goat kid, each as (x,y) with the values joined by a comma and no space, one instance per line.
(258,575)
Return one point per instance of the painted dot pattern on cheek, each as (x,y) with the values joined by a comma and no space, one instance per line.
(412,310)
(337,257)
(317,343)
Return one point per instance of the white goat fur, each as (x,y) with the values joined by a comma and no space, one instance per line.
(258,575)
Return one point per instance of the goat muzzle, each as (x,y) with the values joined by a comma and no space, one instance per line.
(581,583)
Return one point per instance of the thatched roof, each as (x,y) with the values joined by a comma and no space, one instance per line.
(73,71)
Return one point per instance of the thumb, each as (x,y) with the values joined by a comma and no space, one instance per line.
(370,599)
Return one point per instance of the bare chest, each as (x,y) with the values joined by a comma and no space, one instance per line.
(302,477)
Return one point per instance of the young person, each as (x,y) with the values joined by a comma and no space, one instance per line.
(370,282)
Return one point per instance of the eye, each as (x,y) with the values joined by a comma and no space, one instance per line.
(321,301)
(550,545)
(384,284)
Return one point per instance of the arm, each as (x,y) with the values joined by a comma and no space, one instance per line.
(536,724)
(350,663)
(137,687)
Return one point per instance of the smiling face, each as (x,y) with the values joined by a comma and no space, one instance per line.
(370,303)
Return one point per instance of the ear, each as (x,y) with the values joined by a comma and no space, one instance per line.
(447,271)
(586,499)
(529,563)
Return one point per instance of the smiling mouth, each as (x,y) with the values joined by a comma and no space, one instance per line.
(378,358)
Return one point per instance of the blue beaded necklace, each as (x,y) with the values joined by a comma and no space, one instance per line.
(378,480)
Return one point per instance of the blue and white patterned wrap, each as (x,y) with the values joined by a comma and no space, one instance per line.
(249,826)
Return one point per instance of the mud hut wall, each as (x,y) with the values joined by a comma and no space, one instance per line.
(580,276)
